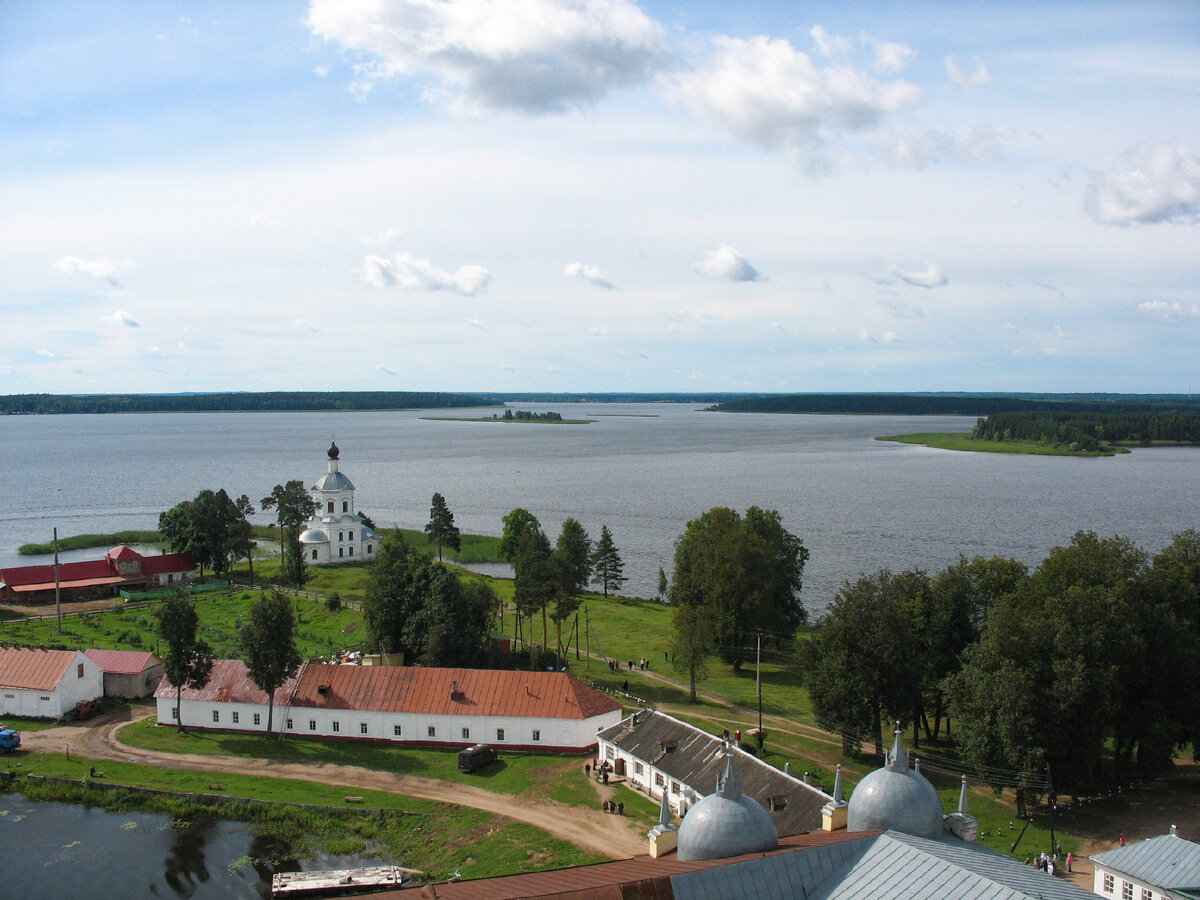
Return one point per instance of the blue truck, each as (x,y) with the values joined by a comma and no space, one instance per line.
(9,740)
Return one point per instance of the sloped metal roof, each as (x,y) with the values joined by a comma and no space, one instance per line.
(229,682)
(34,669)
(904,867)
(1167,861)
(123,662)
(694,757)
(472,692)
(333,481)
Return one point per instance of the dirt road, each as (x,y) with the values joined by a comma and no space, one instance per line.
(590,830)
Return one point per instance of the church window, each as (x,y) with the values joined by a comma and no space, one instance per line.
(351,550)
(345,506)
(341,551)
(368,549)
(331,506)
(314,552)
(340,538)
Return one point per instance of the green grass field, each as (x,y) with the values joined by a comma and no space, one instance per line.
(964,442)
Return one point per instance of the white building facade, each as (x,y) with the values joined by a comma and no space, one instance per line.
(1166,867)
(336,533)
(46,684)
(531,711)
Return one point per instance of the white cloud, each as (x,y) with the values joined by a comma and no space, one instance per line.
(476,323)
(931,277)
(380,239)
(976,77)
(919,148)
(109,270)
(49,354)
(831,46)
(890,337)
(588,273)
(120,317)
(767,92)
(890,58)
(305,324)
(533,56)
(726,263)
(416,273)
(1155,182)
(1171,313)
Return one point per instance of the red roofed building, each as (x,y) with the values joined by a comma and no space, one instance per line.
(46,683)
(122,568)
(128,673)
(549,711)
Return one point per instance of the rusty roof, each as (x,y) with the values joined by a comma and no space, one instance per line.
(229,682)
(471,692)
(34,669)
(640,877)
(123,662)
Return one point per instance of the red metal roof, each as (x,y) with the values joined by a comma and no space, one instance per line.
(122,552)
(229,683)
(472,692)
(93,571)
(34,670)
(123,662)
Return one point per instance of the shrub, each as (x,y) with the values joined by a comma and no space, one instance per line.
(333,602)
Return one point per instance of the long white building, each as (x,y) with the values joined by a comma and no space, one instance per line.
(46,683)
(549,711)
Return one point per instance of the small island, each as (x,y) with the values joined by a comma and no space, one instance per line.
(520,415)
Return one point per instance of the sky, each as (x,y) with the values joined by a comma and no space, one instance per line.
(599,195)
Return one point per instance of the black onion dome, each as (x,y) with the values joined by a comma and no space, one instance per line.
(333,450)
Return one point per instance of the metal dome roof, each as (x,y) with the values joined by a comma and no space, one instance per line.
(334,481)
(313,536)
(726,823)
(896,797)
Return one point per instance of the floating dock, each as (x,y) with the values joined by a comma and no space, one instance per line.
(338,882)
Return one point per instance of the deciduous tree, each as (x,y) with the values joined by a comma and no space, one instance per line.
(188,661)
(293,507)
(268,641)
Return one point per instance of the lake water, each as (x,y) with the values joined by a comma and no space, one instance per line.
(49,851)
(644,470)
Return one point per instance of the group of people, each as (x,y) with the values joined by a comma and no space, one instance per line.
(615,665)
(617,807)
(600,768)
(1048,862)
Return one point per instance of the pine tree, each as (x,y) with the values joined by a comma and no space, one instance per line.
(441,526)
(607,565)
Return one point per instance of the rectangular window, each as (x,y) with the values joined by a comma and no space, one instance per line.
(351,549)
(43,698)
(258,718)
(362,727)
(79,671)
(1126,891)
(216,715)
(466,732)
(638,768)
(1147,894)
(658,779)
(396,731)
(610,753)
(1108,884)
(235,718)
(537,735)
(337,726)
(499,734)
(312,724)
(674,787)
(314,553)
(431,731)
(289,724)
(174,713)
(9,696)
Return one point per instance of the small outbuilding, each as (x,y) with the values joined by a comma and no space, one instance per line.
(128,673)
(46,684)
(1166,867)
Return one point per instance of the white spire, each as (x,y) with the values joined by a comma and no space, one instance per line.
(838,797)
(897,760)
(962,797)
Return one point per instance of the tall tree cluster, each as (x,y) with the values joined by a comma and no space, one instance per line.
(268,640)
(293,506)
(1081,674)
(414,605)
(213,528)
(743,574)
(188,660)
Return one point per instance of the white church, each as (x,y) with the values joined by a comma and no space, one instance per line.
(336,533)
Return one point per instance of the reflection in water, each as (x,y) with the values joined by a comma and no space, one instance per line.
(185,867)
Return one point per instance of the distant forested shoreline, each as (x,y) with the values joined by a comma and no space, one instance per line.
(950,404)
(271,401)
(1091,431)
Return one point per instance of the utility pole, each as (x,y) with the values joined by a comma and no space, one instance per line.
(587,631)
(57,592)
(758,683)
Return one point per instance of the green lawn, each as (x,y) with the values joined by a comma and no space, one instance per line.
(438,838)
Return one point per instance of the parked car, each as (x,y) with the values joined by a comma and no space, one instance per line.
(476,757)
(9,740)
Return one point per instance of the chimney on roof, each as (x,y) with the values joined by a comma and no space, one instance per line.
(454,690)
(527,688)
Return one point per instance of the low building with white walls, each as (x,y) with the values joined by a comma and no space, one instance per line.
(336,533)
(543,711)
(46,684)
(655,752)
(1166,867)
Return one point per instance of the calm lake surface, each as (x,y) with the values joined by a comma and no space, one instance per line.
(644,470)
(50,851)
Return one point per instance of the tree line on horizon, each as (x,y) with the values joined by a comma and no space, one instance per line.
(951,404)
(267,401)
(1090,431)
